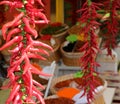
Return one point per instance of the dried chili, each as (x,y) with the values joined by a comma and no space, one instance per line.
(20,31)
(90,48)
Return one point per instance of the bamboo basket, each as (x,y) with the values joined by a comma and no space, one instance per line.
(98,98)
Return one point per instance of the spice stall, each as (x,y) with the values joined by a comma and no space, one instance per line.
(22,34)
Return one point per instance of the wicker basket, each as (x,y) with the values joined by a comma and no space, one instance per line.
(73,58)
(98,98)
(61,37)
(54,56)
(70,58)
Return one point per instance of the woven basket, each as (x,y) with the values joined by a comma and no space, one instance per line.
(70,58)
(73,58)
(61,37)
(98,98)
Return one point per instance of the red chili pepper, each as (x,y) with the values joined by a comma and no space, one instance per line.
(39,97)
(18,61)
(27,64)
(12,32)
(15,4)
(35,13)
(13,92)
(36,71)
(16,49)
(17,98)
(23,51)
(42,51)
(42,16)
(40,2)
(28,27)
(11,76)
(10,24)
(27,77)
(5,2)
(16,39)
(30,81)
(17,23)
(29,45)
(38,43)
(36,90)
(38,84)
(33,55)
(31,1)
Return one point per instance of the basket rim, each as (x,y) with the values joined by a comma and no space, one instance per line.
(70,76)
(68,53)
(56,35)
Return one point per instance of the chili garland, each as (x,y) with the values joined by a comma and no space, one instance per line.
(90,48)
(21,32)
(111,25)
(89,23)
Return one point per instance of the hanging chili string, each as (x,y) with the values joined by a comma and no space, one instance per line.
(111,25)
(20,32)
(89,25)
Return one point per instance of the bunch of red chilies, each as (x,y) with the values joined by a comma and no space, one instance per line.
(88,19)
(90,48)
(21,32)
(112,25)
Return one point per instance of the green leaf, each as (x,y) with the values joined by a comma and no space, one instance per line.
(72,38)
(79,74)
